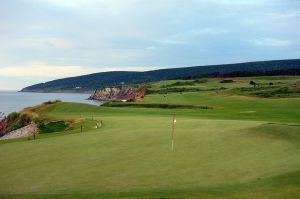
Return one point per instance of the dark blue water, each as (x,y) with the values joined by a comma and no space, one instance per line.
(11,101)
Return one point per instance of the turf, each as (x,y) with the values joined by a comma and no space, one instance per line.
(242,148)
(51,127)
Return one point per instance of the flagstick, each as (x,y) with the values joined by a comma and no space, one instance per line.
(173,121)
(172,144)
(173,137)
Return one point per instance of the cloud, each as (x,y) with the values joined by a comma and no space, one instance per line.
(45,43)
(189,36)
(281,15)
(237,3)
(93,6)
(208,31)
(271,42)
(42,70)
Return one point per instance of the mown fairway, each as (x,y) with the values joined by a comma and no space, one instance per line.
(245,147)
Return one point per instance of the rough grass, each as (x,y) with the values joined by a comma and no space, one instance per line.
(143,105)
(55,126)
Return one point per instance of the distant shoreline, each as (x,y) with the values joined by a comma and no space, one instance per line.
(14,101)
(66,92)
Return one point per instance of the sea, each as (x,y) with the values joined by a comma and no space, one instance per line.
(13,101)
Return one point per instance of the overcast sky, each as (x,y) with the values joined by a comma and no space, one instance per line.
(41,40)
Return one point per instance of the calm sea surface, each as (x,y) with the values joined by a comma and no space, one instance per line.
(11,101)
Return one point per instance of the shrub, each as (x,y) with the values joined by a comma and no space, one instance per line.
(25,119)
(13,126)
(16,120)
(199,81)
(12,116)
(253,83)
(279,92)
(52,102)
(227,81)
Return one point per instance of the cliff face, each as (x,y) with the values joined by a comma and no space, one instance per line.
(124,93)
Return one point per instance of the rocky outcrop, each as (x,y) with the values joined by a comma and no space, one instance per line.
(124,93)
(26,131)
(3,123)
(2,126)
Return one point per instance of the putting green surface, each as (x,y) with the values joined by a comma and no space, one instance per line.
(225,152)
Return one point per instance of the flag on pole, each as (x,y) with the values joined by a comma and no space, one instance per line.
(174,119)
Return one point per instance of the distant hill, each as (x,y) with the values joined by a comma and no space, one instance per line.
(104,79)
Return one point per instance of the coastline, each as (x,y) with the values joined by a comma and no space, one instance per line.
(14,101)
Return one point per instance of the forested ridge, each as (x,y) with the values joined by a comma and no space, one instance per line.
(105,79)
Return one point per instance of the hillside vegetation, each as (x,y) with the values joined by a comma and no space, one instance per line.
(244,146)
(107,79)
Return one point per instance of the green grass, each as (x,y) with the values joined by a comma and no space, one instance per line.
(244,147)
(56,126)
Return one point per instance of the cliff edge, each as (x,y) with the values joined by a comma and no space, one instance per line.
(113,93)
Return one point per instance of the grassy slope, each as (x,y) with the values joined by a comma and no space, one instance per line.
(226,152)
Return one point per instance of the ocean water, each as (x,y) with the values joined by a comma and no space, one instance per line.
(11,101)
